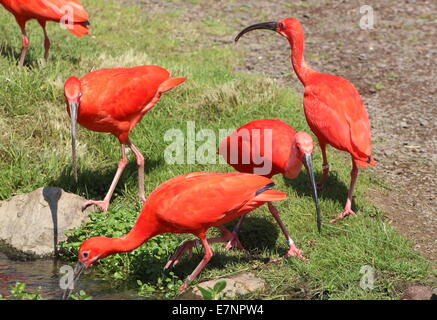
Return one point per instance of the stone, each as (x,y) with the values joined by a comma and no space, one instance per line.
(34,223)
(417,293)
(238,285)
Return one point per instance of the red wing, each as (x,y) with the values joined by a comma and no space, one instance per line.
(336,113)
(201,201)
(122,93)
(55,9)
(328,124)
(249,142)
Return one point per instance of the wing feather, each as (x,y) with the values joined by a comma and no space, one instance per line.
(337,115)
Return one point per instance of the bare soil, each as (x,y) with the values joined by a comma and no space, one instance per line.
(393,67)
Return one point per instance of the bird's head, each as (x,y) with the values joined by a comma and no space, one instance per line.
(72,92)
(304,143)
(289,28)
(90,251)
(93,249)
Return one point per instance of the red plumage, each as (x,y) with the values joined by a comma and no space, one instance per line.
(114,101)
(183,205)
(268,147)
(333,108)
(70,13)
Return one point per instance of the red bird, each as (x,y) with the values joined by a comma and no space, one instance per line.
(114,101)
(69,13)
(283,151)
(183,205)
(333,107)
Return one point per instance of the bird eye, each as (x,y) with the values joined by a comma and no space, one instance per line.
(85,254)
(281,26)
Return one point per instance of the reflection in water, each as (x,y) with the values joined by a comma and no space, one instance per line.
(43,275)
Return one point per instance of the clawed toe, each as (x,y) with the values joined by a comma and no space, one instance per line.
(103,205)
(293,251)
(343,214)
(174,259)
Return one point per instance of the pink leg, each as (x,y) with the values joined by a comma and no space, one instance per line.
(232,237)
(348,207)
(105,203)
(140,163)
(46,40)
(325,166)
(202,264)
(25,41)
(187,246)
(292,249)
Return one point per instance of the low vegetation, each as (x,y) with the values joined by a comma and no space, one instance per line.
(35,151)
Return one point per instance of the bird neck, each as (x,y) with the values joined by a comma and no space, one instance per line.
(294,164)
(145,228)
(297,59)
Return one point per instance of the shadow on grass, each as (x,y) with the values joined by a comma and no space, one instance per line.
(334,189)
(257,234)
(94,184)
(12,53)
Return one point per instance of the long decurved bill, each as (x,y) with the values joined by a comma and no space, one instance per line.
(73,114)
(80,268)
(308,163)
(263,25)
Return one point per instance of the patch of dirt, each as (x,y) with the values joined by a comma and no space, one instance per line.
(393,67)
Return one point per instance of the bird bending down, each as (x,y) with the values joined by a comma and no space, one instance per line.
(333,107)
(69,13)
(114,101)
(283,151)
(182,205)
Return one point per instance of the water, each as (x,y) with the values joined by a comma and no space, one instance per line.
(43,276)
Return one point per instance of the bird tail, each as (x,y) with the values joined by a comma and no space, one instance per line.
(364,163)
(170,84)
(270,195)
(79,29)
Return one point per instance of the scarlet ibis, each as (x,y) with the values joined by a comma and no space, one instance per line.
(114,101)
(333,107)
(283,148)
(68,12)
(183,205)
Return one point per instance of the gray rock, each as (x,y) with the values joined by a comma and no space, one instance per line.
(237,285)
(34,223)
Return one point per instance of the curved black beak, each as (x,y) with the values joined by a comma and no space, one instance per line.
(263,25)
(80,268)
(73,114)
(308,163)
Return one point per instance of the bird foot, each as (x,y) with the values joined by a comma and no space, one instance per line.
(343,214)
(185,246)
(293,251)
(320,186)
(233,241)
(183,287)
(103,205)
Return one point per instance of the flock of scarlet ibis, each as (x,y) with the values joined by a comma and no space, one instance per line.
(115,100)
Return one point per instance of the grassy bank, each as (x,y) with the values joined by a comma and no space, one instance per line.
(35,151)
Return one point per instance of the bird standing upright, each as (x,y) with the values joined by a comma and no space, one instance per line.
(69,13)
(114,101)
(333,107)
(182,205)
(283,151)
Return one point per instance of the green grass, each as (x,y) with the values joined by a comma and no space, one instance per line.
(35,151)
